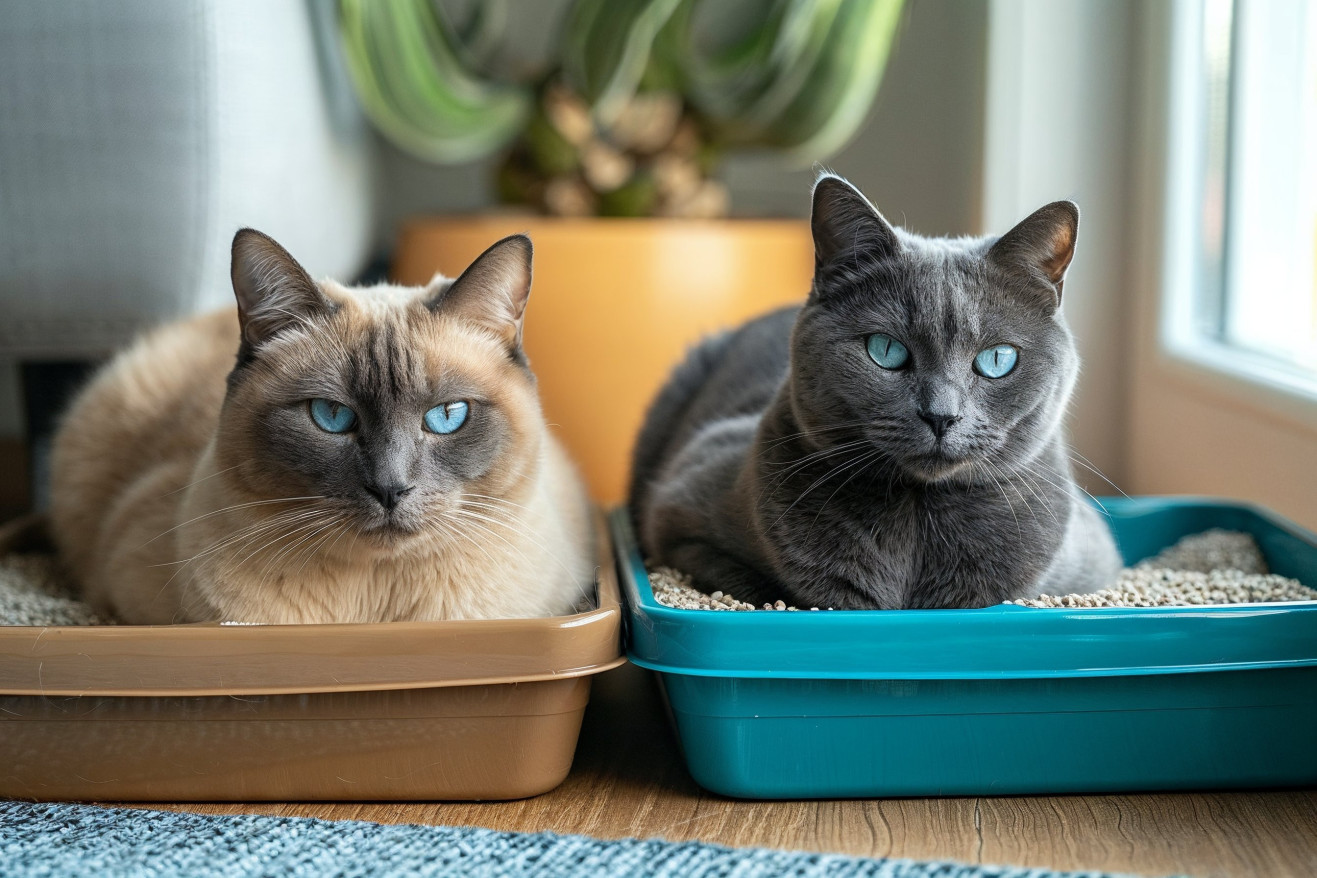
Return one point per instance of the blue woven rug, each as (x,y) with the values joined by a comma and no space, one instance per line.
(70,840)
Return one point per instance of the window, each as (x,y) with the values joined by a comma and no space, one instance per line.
(1254,299)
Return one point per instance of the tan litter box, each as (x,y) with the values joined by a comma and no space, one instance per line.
(209,712)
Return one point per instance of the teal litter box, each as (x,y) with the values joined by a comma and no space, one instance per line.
(1002,700)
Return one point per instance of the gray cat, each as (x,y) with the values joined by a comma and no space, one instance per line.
(895,442)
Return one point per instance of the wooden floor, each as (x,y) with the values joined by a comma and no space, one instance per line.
(628,780)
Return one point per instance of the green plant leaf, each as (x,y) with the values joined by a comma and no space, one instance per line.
(732,83)
(413,84)
(607,49)
(835,97)
(802,80)
(480,34)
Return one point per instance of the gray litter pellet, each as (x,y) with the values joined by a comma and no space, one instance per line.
(1159,587)
(673,588)
(1213,567)
(33,591)
(1210,550)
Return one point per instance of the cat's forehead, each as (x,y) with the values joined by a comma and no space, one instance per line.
(383,343)
(936,291)
(949,285)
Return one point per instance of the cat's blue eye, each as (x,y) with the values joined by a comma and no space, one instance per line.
(997,361)
(447,417)
(332,417)
(887,351)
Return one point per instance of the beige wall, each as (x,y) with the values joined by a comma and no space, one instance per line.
(1195,435)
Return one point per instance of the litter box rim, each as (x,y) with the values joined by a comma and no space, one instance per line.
(999,642)
(217,659)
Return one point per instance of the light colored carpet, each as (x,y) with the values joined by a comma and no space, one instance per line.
(61,841)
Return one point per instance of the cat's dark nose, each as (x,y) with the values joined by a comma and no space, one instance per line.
(937,422)
(389,495)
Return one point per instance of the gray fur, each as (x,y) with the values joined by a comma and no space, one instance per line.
(781,462)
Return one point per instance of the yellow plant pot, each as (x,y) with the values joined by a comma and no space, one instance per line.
(615,305)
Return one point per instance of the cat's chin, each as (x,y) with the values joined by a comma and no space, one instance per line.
(937,466)
(390,533)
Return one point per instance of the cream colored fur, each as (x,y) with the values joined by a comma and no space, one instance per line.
(167,513)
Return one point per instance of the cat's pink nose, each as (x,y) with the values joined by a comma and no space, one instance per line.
(389,495)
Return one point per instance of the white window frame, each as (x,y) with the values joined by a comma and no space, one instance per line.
(1245,378)
(1235,426)
(1085,100)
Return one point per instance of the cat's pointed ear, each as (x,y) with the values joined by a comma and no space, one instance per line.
(273,291)
(1038,251)
(492,291)
(847,226)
